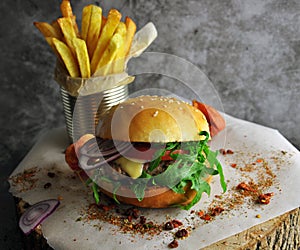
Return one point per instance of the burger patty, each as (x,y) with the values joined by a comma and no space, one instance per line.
(163,165)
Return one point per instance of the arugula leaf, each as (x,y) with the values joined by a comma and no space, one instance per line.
(95,191)
(202,187)
(139,188)
(88,181)
(213,161)
(187,168)
(116,187)
(172,145)
(157,156)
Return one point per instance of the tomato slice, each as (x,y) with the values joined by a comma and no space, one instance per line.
(167,155)
(214,118)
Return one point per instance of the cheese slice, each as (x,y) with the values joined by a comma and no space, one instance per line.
(132,168)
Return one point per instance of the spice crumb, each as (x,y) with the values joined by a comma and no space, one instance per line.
(51,174)
(182,233)
(229,151)
(173,244)
(47,185)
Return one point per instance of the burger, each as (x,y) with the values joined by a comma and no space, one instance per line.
(149,151)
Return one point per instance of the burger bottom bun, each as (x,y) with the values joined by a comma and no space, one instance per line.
(155,197)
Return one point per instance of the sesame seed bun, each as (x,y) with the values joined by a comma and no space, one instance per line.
(153,119)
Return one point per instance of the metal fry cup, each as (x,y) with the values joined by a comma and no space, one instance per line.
(82,113)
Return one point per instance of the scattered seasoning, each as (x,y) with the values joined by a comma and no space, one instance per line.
(259,160)
(47,185)
(248,168)
(204,216)
(216,211)
(258,216)
(143,220)
(225,152)
(78,219)
(168,226)
(173,244)
(134,212)
(26,180)
(200,213)
(265,198)
(176,223)
(182,233)
(128,221)
(229,152)
(246,187)
(222,151)
(233,165)
(51,174)
(106,207)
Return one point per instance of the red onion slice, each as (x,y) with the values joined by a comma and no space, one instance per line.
(36,214)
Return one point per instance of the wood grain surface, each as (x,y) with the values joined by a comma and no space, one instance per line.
(280,233)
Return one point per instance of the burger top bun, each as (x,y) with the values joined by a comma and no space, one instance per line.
(153,119)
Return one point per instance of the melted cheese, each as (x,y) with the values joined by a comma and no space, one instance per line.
(132,168)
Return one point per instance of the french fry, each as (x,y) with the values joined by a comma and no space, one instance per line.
(65,24)
(131,29)
(66,8)
(82,57)
(109,28)
(100,49)
(47,30)
(105,63)
(55,25)
(104,19)
(50,42)
(67,57)
(119,62)
(85,22)
(66,11)
(121,29)
(73,18)
(94,29)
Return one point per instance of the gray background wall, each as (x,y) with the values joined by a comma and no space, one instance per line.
(249,49)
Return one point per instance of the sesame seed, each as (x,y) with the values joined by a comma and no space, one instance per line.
(165,106)
(133,103)
(142,107)
(155,113)
(121,107)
